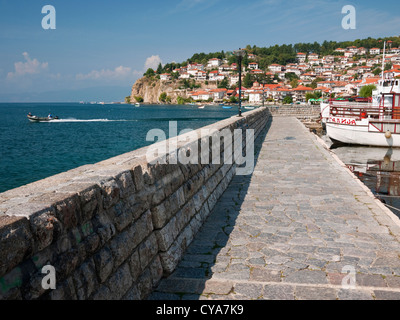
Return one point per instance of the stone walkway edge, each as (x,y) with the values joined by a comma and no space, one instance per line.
(291,231)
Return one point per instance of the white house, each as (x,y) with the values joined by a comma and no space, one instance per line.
(218,94)
(256,71)
(362,51)
(201,95)
(340,50)
(255,96)
(195,66)
(275,68)
(253,65)
(233,79)
(375,51)
(328,59)
(301,57)
(165,76)
(200,75)
(184,76)
(214,63)
(349,54)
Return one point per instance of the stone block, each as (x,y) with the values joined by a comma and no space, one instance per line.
(134,265)
(144,284)
(85,280)
(64,291)
(90,199)
(42,227)
(16,242)
(138,179)
(141,229)
(125,183)
(121,247)
(120,282)
(104,263)
(10,285)
(110,192)
(156,270)
(148,250)
(68,212)
(122,215)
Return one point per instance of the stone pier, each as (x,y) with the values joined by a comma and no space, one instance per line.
(300,227)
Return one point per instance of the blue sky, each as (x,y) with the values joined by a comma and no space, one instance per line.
(107,45)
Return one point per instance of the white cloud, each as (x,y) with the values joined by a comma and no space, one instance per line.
(119,73)
(30,66)
(152,62)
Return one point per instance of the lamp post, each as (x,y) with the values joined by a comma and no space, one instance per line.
(240,54)
(263,94)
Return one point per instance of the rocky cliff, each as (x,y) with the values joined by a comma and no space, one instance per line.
(150,90)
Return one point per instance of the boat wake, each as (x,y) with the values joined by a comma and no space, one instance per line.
(86,120)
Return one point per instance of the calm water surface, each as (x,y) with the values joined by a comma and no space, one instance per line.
(84,134)
(377,167)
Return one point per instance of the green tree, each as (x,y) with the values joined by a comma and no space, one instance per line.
(149,73)
(223,84)
(248,81)
(160,68)
(128,100)
(366,91)
(163,97)
(377,71)
(294,83)
(233,99)
(310,95)
(139,98)
(288,99)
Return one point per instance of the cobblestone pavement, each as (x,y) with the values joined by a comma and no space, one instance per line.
(292,230)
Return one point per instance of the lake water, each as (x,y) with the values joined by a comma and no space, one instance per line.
(85,134)
(377,167)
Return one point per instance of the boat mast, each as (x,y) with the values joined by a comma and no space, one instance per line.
(383,61)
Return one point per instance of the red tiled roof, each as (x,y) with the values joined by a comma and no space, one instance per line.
(303,88)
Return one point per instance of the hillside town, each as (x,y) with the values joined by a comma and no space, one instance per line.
(341,75)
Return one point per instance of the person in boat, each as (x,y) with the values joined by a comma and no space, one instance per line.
(50,116)
(29,114)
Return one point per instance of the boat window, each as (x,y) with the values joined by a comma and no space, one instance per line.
(388,101)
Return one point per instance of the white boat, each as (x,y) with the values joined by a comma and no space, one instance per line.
(137,105)
(202,107)
(374,124)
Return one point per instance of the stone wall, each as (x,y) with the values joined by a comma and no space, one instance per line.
(111,230)
(302,112)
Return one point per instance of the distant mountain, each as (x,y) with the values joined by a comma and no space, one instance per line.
(104,93)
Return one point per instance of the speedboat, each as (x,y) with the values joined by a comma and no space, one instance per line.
(202,107)
(33,118)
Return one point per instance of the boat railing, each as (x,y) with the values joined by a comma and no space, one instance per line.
(361,112)
(352,104)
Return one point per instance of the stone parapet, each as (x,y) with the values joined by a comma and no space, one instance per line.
(113,229)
